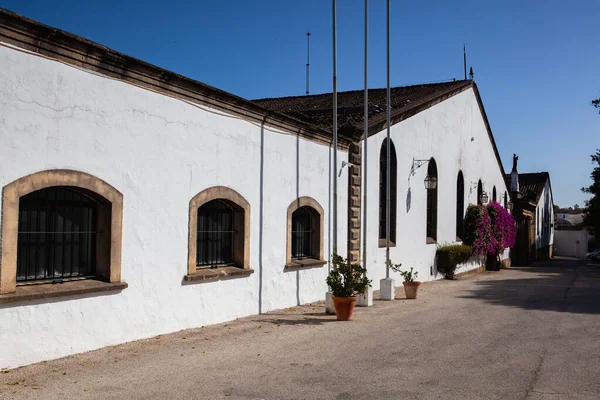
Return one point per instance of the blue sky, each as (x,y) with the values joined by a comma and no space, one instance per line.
(536,64)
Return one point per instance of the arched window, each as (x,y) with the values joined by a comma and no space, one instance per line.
(302,233)
(460,205)
(494,198)
(57,234)
(215,235)
(479,192)
(432,202)
(219,234)
(383,192)
(59,226)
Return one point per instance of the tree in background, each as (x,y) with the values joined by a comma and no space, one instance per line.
(592,210)
(596,103)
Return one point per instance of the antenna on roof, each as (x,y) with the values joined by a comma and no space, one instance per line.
(307,62)
(465,60)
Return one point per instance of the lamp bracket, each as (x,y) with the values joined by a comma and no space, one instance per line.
(416,164)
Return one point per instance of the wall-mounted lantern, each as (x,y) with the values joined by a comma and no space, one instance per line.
(430,182)
(483,198)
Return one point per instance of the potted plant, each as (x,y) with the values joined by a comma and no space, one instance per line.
(449,256)
(410,285)
(346,281)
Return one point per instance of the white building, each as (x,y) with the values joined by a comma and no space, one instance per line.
(137,202)
(534,213)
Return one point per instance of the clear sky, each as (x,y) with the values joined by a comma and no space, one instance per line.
(537,64)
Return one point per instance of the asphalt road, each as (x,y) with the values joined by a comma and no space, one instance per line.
(524,333)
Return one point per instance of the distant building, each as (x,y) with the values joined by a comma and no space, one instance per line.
(571,238)
(533,211)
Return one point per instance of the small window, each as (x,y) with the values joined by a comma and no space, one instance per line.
(432,202)
(302,233)
(218,235)
(215,235)
(383,192)
(479,193)
(506,200)
(305,233)
(494,197)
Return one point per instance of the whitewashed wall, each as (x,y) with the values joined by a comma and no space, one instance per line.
(454,133)
(159,152)
(571,243)
(545,205)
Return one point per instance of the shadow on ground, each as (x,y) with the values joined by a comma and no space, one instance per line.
(561,285)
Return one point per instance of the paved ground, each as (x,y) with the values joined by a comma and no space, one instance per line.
(525,333)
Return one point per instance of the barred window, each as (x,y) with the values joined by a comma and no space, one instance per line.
(215,235)
(57,234)
(303,233)
(479,193)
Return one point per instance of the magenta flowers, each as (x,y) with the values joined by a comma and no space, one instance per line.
(489,229)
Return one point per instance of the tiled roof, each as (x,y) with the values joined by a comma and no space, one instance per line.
(318,109)
(531,185)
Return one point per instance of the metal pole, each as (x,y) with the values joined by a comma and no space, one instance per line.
(308,64)
(389,145)
(365,134)
(335,216)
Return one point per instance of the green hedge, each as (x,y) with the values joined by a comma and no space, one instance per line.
(449,256)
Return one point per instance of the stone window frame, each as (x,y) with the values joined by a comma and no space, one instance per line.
(108,272)
(318,215)
(242,226)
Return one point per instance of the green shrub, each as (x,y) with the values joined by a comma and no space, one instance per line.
(449,256)
(346,279)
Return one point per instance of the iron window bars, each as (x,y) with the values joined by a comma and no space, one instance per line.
(215,235)
(302,233)
(56,235)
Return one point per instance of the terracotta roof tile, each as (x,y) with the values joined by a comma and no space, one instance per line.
(318,109)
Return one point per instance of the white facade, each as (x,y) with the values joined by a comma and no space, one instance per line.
(453,132)
(158,152)
(571,243)
(544,219)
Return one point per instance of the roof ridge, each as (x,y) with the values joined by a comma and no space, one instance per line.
(304,96)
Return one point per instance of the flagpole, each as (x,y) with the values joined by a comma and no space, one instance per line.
(388,147)
(335,133)
(365,134)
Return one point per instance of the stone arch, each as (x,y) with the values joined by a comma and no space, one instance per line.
(110,221)
(318,218)
(241,224)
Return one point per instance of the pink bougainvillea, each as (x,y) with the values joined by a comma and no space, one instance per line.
(503,231)
(489,229)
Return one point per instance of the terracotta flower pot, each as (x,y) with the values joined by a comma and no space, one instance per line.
(410,289)
(344,307)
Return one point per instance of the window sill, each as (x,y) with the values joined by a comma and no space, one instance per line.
(382,243)
(304,264)
(50,291)
(431,241)
(213,274)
